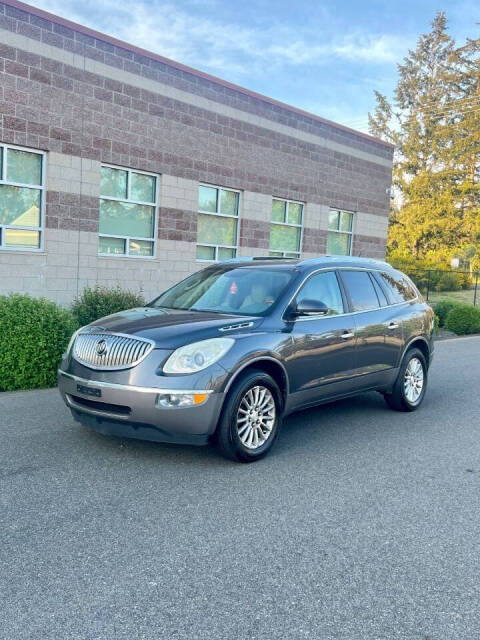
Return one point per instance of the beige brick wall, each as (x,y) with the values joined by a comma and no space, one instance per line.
(71,174)
(84,104)
(70,259)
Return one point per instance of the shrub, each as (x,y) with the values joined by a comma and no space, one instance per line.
(442,309)
(436,323)
(34,334)
(96,302)
(463,319)
(449,281)
(466,281)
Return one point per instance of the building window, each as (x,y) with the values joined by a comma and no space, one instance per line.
(286,228)
(340,233)
(128,213)
(22,193)
(217,223)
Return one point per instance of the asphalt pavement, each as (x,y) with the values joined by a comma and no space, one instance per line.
(363,523)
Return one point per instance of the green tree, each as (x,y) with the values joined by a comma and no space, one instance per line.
(437,135)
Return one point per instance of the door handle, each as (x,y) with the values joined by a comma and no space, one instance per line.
(392,326)
(347,335)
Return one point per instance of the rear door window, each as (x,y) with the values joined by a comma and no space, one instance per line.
(398,286)
(361,290)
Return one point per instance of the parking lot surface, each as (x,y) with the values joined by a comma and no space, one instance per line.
(362,523)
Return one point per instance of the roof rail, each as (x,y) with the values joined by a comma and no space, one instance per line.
(253,258)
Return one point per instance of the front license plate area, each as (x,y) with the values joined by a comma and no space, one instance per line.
(89,391)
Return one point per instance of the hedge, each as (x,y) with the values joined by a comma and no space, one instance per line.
(97,302)
(34,334)
(442,309)
(463,319)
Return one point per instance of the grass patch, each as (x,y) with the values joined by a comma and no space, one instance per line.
(466,296)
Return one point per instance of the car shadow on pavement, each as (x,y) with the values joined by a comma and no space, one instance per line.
(324,426)
(304,429)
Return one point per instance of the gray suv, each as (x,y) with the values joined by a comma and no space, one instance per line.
(226,353)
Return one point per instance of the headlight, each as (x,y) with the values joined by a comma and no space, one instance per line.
(197,356)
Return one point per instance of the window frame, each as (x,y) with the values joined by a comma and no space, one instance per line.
(273,252)
(343,294)
(127,239)
(42,188)
(216,247)
(346,300)
(349,297)
(387,292)
(350,233)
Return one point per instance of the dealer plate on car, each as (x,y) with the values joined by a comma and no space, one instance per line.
(89,391)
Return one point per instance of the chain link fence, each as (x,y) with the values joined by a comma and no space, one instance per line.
(452,284)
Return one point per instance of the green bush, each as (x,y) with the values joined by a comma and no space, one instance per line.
(34,334)
(96,302)
(442,309)
(436,323)
(466,281)
(463,319)
(449,281)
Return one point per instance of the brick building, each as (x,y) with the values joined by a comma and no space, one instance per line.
(120,166)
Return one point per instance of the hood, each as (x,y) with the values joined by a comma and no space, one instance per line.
(172,328)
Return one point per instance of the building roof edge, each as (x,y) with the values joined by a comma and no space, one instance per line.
(17,4)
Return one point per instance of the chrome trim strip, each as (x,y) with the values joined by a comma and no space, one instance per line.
(129,387)
(340,315)
(96,412)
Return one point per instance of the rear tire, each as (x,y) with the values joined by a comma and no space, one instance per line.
(411,384)
(251,417)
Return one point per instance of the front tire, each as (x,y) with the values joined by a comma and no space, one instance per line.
(251,417)
(411,384)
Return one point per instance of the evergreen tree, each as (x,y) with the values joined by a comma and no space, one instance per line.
(437,137)
(465,156)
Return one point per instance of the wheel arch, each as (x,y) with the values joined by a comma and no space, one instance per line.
(421,343)
(269,365)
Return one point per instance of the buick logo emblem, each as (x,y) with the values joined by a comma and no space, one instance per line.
(101,348)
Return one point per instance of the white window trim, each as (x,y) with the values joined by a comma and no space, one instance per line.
(128,200)
(349,233)
(288,224)
(41,188)
(216,247)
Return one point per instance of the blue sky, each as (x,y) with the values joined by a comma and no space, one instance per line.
(324,56)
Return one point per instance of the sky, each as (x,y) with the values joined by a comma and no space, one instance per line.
(324,56)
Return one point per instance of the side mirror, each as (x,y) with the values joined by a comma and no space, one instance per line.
(309,307)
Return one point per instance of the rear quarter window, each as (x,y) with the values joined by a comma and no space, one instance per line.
(360,289)
(398,286)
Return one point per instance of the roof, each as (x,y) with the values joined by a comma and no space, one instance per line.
(321,261)
(177,65)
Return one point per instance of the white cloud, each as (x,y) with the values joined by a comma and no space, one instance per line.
(383,48)
(193,38)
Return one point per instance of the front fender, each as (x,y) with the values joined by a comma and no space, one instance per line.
(255,349)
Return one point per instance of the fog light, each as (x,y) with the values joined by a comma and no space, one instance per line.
(172,400)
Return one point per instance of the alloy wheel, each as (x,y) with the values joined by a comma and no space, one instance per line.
(256,417)
(413,381)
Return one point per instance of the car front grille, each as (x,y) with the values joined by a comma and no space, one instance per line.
(110,351)
(101,406)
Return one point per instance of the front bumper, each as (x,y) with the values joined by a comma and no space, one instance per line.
(133,412)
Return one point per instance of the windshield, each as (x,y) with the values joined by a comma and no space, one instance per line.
(244,291)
